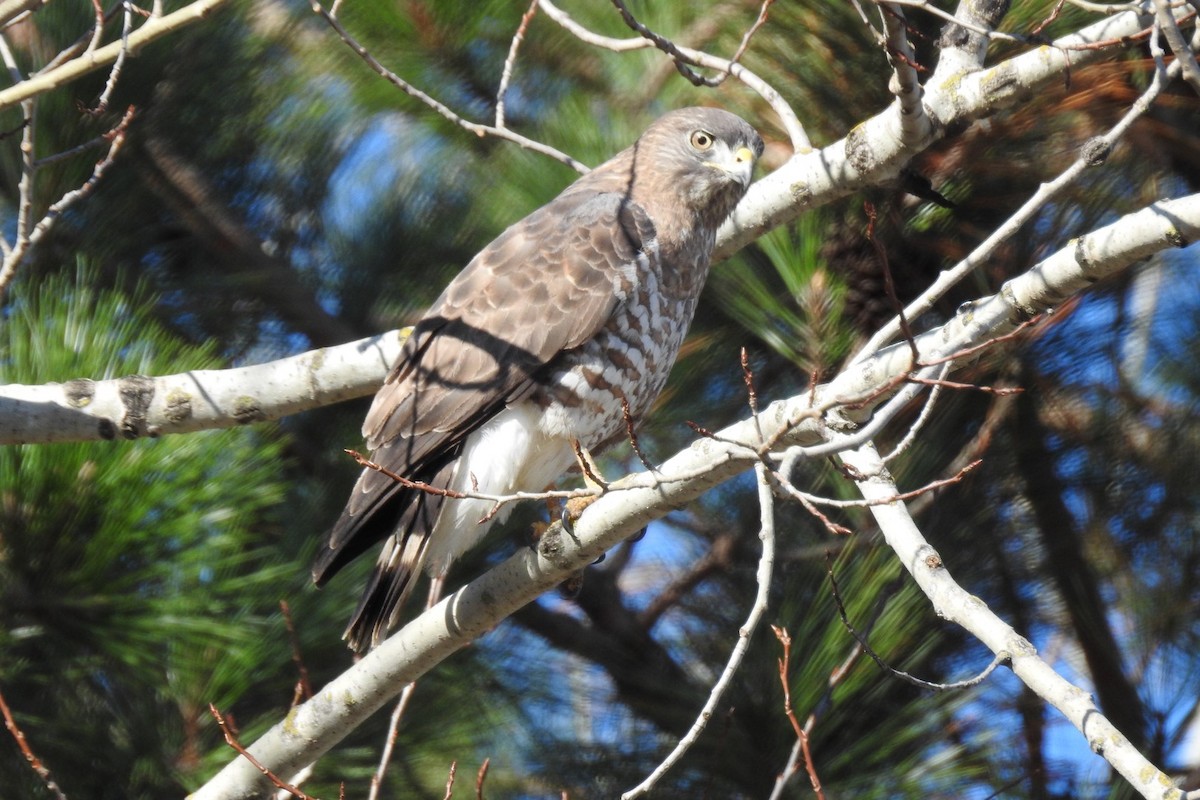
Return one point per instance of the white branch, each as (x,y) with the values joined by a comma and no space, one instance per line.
(953,603)
(766,566)
(876,151)
(135,406)
(314,727)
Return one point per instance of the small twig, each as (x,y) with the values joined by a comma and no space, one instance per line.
(766,564)
(836,676)
(385,758)
(905,83)
(967,352)
(34,762)
(753,29)
(787,117)
(785,641)
(900,497)
(1184,55)
(72,152)
(926,412)
(1093,153)
(751,392)
(631,432)
(805,500)
(442,108)
(389,743)
(664,44)
(511,60)
(450,781)
(303,687)
(232,741)
(1053,15)
(97,28)
(999,659)
(480,777)
(115,73)
(420,486)
(23,242)
(889,284)
(585,464)
(999,391)
(928,7)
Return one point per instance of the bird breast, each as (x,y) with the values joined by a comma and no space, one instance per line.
(582,390)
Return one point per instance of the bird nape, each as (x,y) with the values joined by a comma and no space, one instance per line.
(571,314)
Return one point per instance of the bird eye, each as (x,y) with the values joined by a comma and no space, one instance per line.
(702,140)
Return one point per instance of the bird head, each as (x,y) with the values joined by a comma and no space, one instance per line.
(703,158)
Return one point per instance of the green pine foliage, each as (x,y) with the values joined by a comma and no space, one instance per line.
(126,567)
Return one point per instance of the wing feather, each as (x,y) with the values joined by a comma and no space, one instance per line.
(485,337)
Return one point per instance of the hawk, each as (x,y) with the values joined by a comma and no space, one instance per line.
(538,344)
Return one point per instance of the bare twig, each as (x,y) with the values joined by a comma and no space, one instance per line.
(999,391)
(766,563)
(115,73)
(753,29)
(905,83)
(1184,55)
(631,433)
(303,686)
(751,392)
(450,781)
(787,117)
(805,500)
(929,8)
(511,60)
(481,776)
(667,46)
(102,56)
(932,486)
(389,744)
(34,762)
(1000,658)
(441,108)
(26,238)
(835,679)
(421,486)
(889,284)
(785,641)
(232,741)
(926,412)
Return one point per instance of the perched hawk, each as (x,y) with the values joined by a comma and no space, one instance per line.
(533,346)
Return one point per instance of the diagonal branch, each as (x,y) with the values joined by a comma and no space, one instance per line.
(314,727)
(952,602)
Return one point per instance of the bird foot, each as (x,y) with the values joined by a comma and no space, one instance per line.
(573,509)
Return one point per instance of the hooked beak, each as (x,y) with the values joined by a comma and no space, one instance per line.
(737,164)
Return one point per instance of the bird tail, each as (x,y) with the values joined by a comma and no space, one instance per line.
(388,589)
(403,517)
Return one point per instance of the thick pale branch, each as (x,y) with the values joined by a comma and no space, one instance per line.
(314,727)
(957,605)
(136,405)
(876,151)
